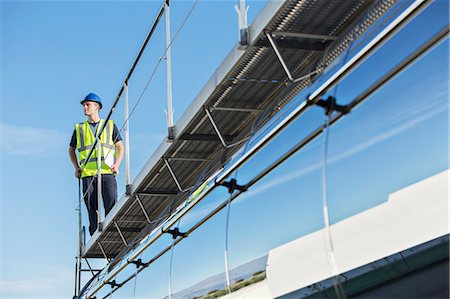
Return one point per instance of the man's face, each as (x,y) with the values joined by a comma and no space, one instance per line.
(90,108)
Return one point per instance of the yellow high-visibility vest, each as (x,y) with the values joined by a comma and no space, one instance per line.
(85,140)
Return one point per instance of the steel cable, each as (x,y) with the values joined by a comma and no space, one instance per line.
(227,221)
(331,256)
(227,267)
(171,261)
(170,269)
(135,279)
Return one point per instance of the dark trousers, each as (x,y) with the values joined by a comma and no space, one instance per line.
(109,195)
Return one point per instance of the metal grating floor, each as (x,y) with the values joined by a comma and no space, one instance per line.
(197,150)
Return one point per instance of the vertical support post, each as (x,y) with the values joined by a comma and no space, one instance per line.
(244,34)
(127,144)
(99,183)
(169,112)
(79,276)
(80,241)
(75,292)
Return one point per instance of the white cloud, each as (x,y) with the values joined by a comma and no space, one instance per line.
(28,141)
(46,284)
(407,123)
(199,212)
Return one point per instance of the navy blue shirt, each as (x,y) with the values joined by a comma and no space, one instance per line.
(115,135)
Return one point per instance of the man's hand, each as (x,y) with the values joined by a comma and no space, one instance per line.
(78,172)
(115,168)
(120,151)
(73,159)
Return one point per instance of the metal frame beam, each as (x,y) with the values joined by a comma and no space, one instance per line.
(143,209)
(278,54)
(304,35)
(173,174)
(133,229)
(189,159)
(203,137)
(102,250)
(157,193)
(235,109)
(90,268)
(125,221)
(120,233)
(283,63)
(216,129)
(295,44)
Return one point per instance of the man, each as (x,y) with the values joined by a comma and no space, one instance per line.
(83,138)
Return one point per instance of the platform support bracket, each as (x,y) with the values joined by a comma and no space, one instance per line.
(330,106)
(138,263)
(219,134)
(143,209)
(283,63)
(102,250)
(172,173)
(120,233)
(175,233)
(232,185)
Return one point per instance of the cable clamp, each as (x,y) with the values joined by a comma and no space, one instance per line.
(232,186)
(138,263)
(128,189)
(175,233)
(330,106)
(113,284)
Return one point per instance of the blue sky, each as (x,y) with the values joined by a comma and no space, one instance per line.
(54,53)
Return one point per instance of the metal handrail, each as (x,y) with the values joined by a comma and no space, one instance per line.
(184,208)
(125,82)
(96,144)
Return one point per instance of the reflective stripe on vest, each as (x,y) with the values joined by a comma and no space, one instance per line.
(85,140)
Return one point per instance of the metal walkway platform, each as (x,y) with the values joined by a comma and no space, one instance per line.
(288,40)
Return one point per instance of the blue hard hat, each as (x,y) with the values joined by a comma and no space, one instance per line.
(93,98)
